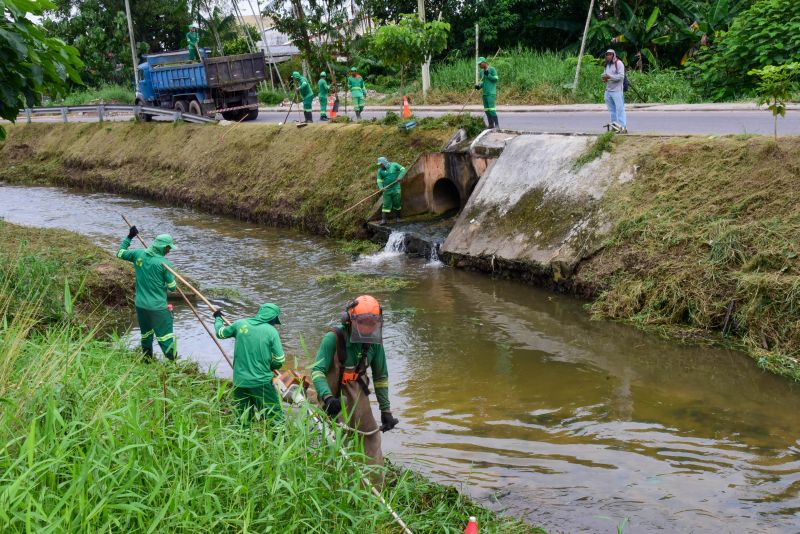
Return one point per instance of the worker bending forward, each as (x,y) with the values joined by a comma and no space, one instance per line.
(389,176)
(306,93)
(339,373)
(152,282)
(257,353)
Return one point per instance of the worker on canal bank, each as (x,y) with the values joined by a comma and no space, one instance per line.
(358,90)
(339,373)
(153,281)
(257,353)
(389,176)
(306,93)
(192,37)
(488,86)
(324,89)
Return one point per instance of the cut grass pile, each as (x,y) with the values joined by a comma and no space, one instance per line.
(94,440)
(282,176)
(365,283)
(705,239)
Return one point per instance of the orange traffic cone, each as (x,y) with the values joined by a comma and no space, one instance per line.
(332,106)
(472,526)
(406,108)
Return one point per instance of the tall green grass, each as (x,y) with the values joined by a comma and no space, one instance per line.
(108,94)
(92,439)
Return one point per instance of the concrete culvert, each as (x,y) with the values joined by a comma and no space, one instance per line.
(445,196)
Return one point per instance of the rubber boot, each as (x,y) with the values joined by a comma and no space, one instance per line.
(148,355)
(383,218)
(323,118)
(489,121)
(397,218)
(496,121)
(358,115)
(309,117)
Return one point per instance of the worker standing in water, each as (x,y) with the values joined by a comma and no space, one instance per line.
(389,176)
(153,281)
(306,93)
(324,88)
(257,353)
(339,373)
(358,90)
(488,86)
(192,37)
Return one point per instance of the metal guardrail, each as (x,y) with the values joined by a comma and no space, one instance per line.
(101,109)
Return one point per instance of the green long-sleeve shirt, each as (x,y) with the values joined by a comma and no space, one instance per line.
(357,86)
(489,82)
(324,89)
(258,350)
(304,87)
(152,279)
(376,360)
(391,176)
(191,39)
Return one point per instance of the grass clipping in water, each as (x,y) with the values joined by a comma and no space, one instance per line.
(365,283)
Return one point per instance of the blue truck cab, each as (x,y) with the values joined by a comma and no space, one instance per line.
(226,85)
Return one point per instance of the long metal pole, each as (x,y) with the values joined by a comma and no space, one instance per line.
(191,307)
(583,47)
(477,35)
(133,46)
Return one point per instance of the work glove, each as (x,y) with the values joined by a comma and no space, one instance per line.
(133,232)
(477,86)
(332,406)
(388,421)
(486,72)
(217,313)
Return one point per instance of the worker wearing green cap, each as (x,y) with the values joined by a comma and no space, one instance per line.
(323,87)
(306,93)
(489,86)
(192,37)
(153,281)
(257,353)
(358,90)
(389,176)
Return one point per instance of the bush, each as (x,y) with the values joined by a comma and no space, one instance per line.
(108,94)
(269,97)
(765,34)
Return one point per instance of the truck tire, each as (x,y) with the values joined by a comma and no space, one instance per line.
(179,105)
(142,117)
(232,116)
(252,115)
(195,108)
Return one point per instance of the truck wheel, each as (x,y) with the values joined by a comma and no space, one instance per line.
(251,115)
(232,116)
(194,108)
(142,117)
(179,105)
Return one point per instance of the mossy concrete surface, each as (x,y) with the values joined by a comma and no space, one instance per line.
(301,177)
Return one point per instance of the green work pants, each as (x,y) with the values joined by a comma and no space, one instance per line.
(358,103)
(391,200)
(489,106)
(307,101)
(262,399)
(158,324)
(323,106)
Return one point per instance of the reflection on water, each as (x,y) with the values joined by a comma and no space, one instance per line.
(510,392)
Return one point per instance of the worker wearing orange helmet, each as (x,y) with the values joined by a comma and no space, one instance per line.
(339,373)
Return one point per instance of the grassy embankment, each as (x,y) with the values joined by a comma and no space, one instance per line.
(92,439)
(706,239)
(283,176)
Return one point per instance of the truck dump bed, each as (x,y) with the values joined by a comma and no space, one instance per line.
(233,73)
(172,71)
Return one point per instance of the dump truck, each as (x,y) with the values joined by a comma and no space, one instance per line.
(226,85)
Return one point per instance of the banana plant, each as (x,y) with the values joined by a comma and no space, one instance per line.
(700,22)
(643,35)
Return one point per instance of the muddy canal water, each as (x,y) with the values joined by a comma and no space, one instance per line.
(512,393)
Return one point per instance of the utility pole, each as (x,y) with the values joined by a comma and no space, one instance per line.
(426,67)
(133,47)
(477,52)
(583,47)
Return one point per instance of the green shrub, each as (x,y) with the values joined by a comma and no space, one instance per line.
(108,94)
(765,34)
(269,97)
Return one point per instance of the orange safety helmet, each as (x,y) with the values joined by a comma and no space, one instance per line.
(365,316)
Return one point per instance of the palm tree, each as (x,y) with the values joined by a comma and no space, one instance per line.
(643,35)
(700,22)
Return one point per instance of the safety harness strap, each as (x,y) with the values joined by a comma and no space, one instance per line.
(360,369)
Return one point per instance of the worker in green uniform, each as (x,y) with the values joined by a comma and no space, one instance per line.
(489,87)
(257,353)
(192,36)
(153,281)
(389,176)
(339,373)
(324,88)
(358,90)
(306,93)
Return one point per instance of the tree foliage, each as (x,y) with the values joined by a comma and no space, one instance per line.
(31,63)
(775,87)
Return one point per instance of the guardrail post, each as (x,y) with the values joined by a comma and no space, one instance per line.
(64,114)
(178,116)
(28,115)
(100,111)
(137,112)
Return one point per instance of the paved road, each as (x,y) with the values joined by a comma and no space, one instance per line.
(639,121)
